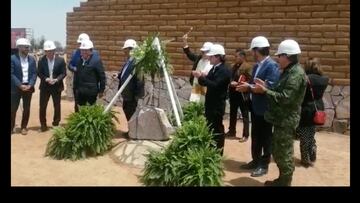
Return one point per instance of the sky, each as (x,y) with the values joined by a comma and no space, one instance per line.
(45,17)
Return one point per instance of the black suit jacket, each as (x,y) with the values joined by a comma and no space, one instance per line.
(135,88)
(59,72)
(217,83)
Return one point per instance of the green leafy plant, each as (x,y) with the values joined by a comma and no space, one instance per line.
(193,110)
(191,159)
(88,133)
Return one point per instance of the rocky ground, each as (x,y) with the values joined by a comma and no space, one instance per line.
(29,167)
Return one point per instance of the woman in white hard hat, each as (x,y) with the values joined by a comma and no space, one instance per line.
(285,99)
(217,82)
(51,71)
(261,131)
(201,63)
(23,78)
(90,76)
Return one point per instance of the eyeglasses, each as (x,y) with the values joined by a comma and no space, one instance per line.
(24,47)
(282,55)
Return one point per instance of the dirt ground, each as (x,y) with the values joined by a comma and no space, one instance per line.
(29,167)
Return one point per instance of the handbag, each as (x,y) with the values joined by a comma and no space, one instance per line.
(319,116)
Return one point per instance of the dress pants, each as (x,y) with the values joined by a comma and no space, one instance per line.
(15,100)
(85,99)
(129,108)
(44,100)
(261,135)
(236,101)
(215,122)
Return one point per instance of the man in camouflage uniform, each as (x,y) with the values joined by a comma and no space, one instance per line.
(285,100)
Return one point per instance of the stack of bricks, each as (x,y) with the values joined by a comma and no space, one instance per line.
(322,28)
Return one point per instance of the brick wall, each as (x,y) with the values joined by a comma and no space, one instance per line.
(322,28)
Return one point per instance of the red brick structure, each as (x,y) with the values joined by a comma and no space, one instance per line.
(322,27)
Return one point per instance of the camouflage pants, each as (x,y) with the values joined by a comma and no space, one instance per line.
(283,150)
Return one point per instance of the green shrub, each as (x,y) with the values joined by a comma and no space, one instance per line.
(191,159)
(193,109)
(88,133)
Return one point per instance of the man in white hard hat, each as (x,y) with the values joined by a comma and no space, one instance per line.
(217,82)
(51,71)
(135,88)
(75,58)
(201,62)
(267,70)
(90,77)
(285,100)
(23,78)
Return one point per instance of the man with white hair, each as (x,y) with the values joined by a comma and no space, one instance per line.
(23,78)
(51,71)
(201,63)
(217,82)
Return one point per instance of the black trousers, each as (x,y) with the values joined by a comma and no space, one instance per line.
(215,122)
(84,99)
(76,100)
(129,108)
(15,101)
(261,134)
(237,100)
(44,100)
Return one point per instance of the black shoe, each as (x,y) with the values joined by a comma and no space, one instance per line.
(259,172)
(249,166)
(55,124)
(306,164)
(230,134)
(44,129)
(278,182)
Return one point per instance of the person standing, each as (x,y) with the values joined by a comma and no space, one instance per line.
(201,63)
(23,79)
(75,58)
(217,82)
(135,88)
(51,71)
(241,70)
(267,70)
(285,99)
(90,76)
(316,85)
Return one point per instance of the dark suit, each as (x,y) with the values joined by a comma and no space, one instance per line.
(74,60)
(194,58)
(47,90)
(134,89)
(217,82)
(90,79)
(261,130)
(17,93)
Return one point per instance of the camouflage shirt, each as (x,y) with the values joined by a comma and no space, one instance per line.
(286,96)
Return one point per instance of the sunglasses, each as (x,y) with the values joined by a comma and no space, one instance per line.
(282,55)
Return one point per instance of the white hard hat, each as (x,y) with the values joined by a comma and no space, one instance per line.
(289,47)
(206,46)
(23,41)
(260,42)
(86,44)
(49,45)
(83,36)
(216,49)
(129,43)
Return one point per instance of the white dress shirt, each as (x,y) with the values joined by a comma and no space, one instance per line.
(25,68)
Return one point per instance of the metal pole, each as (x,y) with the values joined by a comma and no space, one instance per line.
(162,64)
(176,98)
(119,92)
